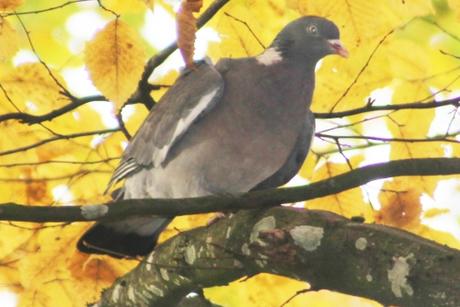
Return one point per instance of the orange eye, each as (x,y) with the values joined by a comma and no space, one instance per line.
(312,29)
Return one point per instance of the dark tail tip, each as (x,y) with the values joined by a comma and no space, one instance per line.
(103,240)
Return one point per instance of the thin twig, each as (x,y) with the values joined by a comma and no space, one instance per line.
(57,138)
(247,27)
(80,173)
(35,119)
(372,108)
(65,91)
(45,10)
(22,164)
(361,71)
(383,139)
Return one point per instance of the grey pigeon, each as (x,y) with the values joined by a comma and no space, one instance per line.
(241,125)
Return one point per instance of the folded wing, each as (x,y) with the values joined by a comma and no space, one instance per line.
(190,98)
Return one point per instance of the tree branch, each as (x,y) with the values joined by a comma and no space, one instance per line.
(252,200)
(394,107)
(158,59)
(389,265)
(35,119)
(57,138)
(447,138)
(142,94)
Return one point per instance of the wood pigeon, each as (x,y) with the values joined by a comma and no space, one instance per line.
(241,125)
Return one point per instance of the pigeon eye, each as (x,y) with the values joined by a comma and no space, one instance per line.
(312,29)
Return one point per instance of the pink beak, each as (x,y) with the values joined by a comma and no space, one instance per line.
(338,48)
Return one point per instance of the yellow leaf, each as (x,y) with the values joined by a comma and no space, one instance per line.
(433,212)
(348,203)
(32,83)
(128,7)
(149,3)
(441,237)
(9,40)
(91,274)
(401,207)
(9,5)
(362,20)
(407,65)
(266,290)
(308,167)
(348,83)
(115,59)
(455,5)
(260,290)
(236,36)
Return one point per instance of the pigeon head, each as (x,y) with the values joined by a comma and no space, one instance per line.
(308,39)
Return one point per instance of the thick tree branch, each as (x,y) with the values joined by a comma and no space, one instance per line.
(253,200)
(328,251)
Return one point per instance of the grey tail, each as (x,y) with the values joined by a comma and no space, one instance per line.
(120,239)
(135,236)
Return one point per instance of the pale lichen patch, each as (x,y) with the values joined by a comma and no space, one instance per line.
(267,223)
(149,261)
(92,212)
(190,254)
(398,274)
(227,234)
(131,295)
(176,281)
(245,249)
(164,274)
(307,237)
(237,264)
(116,293)
(361,244)
(438,295)
(155,290)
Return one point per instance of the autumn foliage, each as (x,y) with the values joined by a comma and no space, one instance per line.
(73,88)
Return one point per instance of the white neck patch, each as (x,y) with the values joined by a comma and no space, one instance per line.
(269,57)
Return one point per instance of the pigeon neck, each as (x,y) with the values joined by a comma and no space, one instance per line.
(307,59)
(269,57)
(273,56)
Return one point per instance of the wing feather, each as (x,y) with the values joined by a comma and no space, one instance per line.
(190,98)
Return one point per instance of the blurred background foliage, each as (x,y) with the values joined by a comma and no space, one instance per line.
(51,51)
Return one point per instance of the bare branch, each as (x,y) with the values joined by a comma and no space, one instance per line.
(64,90)
(35,119)
(78,174)
(443,138)
(157,60)
(21,164)
(404,106)
(252,200)
(247,27)
(45,10)
(57,138)
(371,56)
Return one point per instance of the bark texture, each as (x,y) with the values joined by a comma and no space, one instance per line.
(328,251)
